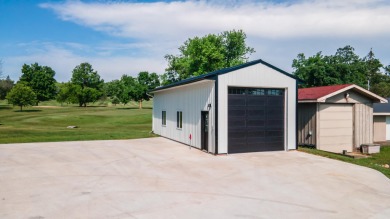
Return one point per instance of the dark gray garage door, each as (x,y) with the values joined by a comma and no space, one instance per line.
(255,119)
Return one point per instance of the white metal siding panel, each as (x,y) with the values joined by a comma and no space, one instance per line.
(257,75)
(336,127)
(191,100)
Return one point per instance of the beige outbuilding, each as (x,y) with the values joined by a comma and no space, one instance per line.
(336,118)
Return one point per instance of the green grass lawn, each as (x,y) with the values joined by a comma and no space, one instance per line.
(48,122)
(374,162)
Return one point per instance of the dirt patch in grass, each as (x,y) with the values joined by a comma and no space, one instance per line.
(46,106)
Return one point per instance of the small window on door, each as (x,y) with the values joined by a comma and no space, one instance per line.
(179,119)
(164,118)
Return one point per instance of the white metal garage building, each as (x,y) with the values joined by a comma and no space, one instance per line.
(246,108)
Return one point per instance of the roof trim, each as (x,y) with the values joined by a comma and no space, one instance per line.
(354,86)
(211,75)
(382,114)
(184,85)
(307,101)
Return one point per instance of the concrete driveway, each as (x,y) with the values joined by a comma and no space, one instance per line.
(159,178)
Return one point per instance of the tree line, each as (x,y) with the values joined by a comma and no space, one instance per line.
(209,53)
(344,67)
(37,84)
(197,56)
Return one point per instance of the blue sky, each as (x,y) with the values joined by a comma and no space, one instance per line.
(125,37)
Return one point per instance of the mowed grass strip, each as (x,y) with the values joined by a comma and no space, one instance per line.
(49,123)
(376,161)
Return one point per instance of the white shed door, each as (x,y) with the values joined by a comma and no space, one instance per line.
(335,127)
(387,128)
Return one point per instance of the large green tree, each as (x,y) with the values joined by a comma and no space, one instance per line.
(387,70)
(380,83)
(21,95)
(136,88)
(113,88)
(127,85)
(373,73)
(145,81)
(201,55)
(41,80)
(66,93)
(344,67)
(5,86)
(382,88)
(88,87)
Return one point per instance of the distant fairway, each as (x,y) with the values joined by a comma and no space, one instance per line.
(49,121)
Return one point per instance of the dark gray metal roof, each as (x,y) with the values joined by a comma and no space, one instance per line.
(211,75)
(382,107)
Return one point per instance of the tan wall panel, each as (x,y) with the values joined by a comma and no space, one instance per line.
(379,128)
(335,107)
(339,131)
(335,140)
(336,116)
(335,134)
(334,124)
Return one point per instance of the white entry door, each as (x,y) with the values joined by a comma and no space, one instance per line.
(387,128)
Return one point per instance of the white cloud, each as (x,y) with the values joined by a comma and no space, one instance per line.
(277,31)
(62,58)
(182,19)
